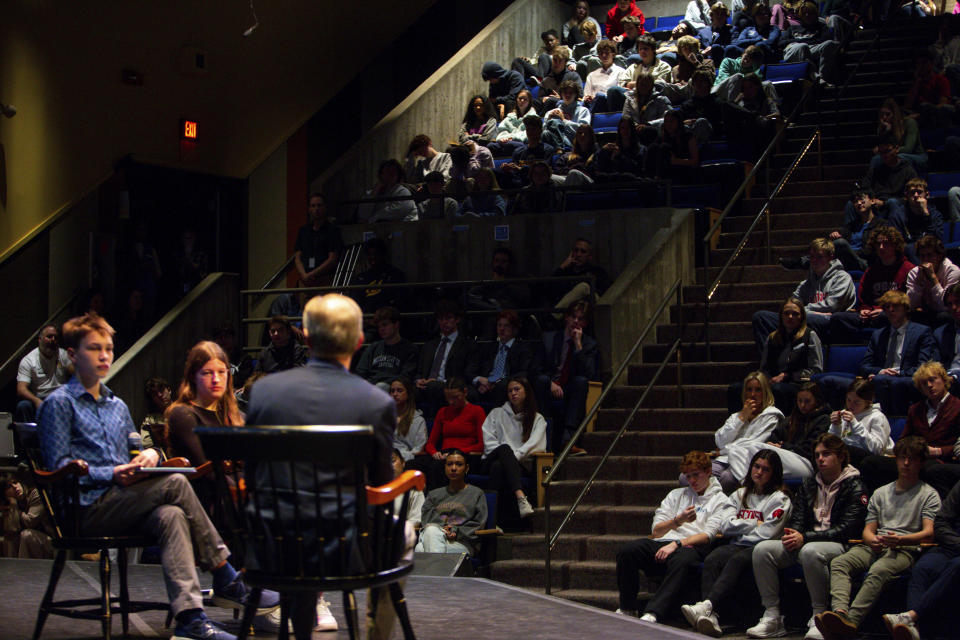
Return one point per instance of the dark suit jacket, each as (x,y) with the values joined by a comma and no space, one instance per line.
(918,347)
(584,362)
(519,359)
(461,361)
(946,337)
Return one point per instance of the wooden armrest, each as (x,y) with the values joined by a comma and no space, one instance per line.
(72,468)
(175,462)
(921,544)
(205,469)
(541,454)
(400,485)
(488,532)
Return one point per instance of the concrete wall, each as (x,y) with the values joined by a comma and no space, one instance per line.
(162,351)
(629,304)
(436,107)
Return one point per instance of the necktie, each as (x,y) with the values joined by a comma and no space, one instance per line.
(892,349)
(438,359)
(565,367)
(499,364)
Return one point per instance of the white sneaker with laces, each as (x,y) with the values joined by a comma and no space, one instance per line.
(325,619)
(901,626)
(693,612)
(626,612)
(768,627)
(524,506)
(649,617)
(812,632)
(709,625)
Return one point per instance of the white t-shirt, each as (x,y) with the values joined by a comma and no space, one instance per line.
(43,375)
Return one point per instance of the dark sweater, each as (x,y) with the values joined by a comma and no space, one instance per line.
(811,427)
(382,362)
(182,420)
(944,430)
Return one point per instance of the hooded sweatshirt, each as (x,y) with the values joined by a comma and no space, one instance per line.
(508,85)
(869,430)
(831,292)
(705,506)
(735,430)
(503,426)
(827,495)
(614,28)
(758,518)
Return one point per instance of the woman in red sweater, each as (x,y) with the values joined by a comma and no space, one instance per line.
(459,425)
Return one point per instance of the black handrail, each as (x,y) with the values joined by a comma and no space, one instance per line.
(278,274)
(551,540)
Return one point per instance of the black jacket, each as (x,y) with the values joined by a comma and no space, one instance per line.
(810,429)
(946,526)
(461,361)
(584,363)
(847,516)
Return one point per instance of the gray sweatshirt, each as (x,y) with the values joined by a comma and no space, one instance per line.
(833,291)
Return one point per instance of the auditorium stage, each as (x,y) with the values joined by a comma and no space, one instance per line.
(460,608)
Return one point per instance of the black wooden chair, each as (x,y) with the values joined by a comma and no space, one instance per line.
(59,490)
(303,518)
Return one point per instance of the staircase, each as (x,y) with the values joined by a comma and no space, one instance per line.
(620,505)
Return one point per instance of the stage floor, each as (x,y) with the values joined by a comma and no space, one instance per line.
(441,608)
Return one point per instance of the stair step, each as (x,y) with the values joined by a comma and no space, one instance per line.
(849,156)
(797,187)
(617,492)
(527,573)
(652,443)
(720,311)
(784,236)
(798,204)
(695,332)
(720,351)
(691,373)
(593,520)
(690,419)
(751,273)
(809,174)
(593,575)
(625,467)
(758,254)
(609,600)
(740,291)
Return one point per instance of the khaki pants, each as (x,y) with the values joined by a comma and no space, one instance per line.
(880,568)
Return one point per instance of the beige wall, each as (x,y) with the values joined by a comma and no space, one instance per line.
(436,107)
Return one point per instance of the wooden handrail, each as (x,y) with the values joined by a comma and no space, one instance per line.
(397,487)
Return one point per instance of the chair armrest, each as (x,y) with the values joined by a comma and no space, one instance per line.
(72,468)
(488,532)
(922,544)
(203,470)
(175,462)
(387,492)
(541,454)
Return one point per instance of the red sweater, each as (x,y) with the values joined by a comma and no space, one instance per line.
(944,430)
(879,278)
(614,16)
(461,429)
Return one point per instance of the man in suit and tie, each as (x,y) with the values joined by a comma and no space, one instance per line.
(569,362)
(947,337)
(895,352)
(502,359)
(452,354)
(325,392)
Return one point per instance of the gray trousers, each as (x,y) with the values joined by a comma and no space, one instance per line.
(167,508)
(880,567)
(769,557)
(824,55)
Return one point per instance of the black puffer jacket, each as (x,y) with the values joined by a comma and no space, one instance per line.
(847,515)
(803,442)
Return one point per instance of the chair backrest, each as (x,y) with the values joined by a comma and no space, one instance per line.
(786,72)
(61,499)
(845,359)
(606,122)
(896,428)
(939,183)
(667,23)
(300,510)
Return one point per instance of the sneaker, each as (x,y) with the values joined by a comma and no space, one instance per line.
(626,612)
(812,632)
(693,612)
(325,619)
(901,626)
(790,263)
(834,625)
(201,629)
(649,617)
(270,622)
(236,594)
(709,625)
(577,451)
(768,627)
(524,505)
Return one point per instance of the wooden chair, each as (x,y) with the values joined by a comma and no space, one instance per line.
(59,490)
(305,520)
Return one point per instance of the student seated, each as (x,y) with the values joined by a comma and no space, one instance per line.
(702,112)
(946,335)
(914,217)
(512,130)
(411,433)
(621,160)
(571,32)
(584,53)
(422,159)
(84,420)
(928,282)
(505,84)
(792,440)
(675,153)
(505,357)
(600,80)
(541,195)
(660,70)
(645,104)
(415,505)
(811,40)
(484,201)
(828,510)
(681,537)
(616,14)
(158,393)
(446,356)
(558,74)
(452,514)
(790,354)
(517,171)
(627,45)
(761,34)
(510,434)
(41,371)
(755,512)
(862,425)
(389,179)
(719,34)
(391,355)
(538,65)
(904,132)
(459,425)
(284,351)
(754,422)
(479,122)
(900,517)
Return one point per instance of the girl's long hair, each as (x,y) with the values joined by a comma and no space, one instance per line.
(228,413)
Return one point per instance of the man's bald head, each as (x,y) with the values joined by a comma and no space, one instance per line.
(333,325)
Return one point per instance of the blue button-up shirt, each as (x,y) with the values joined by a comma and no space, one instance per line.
(72,426)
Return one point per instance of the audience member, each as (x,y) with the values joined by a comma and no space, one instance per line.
(379,272)
(284,351)
(701,112)
(449,355)
(558,74)
(811,40)
(751,119)
(743,11)
(684,528)
(241,364)
(538,65)
(498,293)
(675,154)
(622,160)
(749,61)
(698,13)
(946,335)
(479,122)
(918,218)
(929,97)
(569,113)
(390,175)
(422,159)
(660,70)
(512,130)
(787,14)
(576,166)
(468,160)
(27,529)
(862,425)
(389,357)
(762,34)
(41,371)
(190,262)
(904,132)
(459,425)
(928,282)
(436,205)
(600,80)
(754,513)
(153,427)
(511,433)
(318,245)
(645,104)
(581,262)
(453,514)
(828,510)
(498,361)
(887,180)
(900,517)
(616,14)
(415,504)
(689,59)
(518,169)
(541,195)
(667,50)
(850,243)
(505,84)
(789,355)
(84,420)
(585,54)
(411,432)
(484,201)
(571,30)
(719,34)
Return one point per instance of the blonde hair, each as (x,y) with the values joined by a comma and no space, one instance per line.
(764,381)
(894,297)
(823,245)
(562,51)
(928,370)
(333,324)
(688,42)
(588,28)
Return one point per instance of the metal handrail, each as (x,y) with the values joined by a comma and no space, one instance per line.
(676,289)
(278,274)
(764,212)
(33,336)
(432,283)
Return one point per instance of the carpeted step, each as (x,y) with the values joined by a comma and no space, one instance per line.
(729,240)
(659,419)
(527,573)
(719,351)
(593,575)
(809,174)
(609,600)
(618,492)
(690,373)
(599,520)
(799,204)
(753,254)
(743,292)
(831,186)
(650,443)
(666,396)
(721,311)
(861,156)
(532,546)
(741,274)
(619,468)
(694,331)
(781,221)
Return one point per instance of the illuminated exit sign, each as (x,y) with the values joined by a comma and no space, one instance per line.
(188,130)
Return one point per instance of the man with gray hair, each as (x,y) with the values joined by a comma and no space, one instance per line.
(325,392)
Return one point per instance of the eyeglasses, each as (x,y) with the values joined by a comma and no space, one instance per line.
(917,190)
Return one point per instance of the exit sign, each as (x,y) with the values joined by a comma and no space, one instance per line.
(188,129)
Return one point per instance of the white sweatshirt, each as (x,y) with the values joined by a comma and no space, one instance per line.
(762,518)
(868,430)
(705,506)
(735,430)
(503,426)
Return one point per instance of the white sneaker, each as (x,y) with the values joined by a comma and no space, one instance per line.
(325,619)
(901,626)
(768,627)
(270,622)
(812,632)
(626,612)
(524,505)
(693,612)
(709,625)
(649,617)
